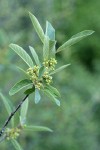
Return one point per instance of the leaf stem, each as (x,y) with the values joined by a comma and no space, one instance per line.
(12,114)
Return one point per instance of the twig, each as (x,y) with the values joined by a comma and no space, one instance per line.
(12,114)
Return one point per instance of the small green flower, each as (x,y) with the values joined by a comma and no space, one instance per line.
(50,64)
(12,133)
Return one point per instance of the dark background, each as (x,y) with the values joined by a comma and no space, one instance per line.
(76,123)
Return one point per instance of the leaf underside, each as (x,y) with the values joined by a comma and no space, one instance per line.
(23,113)
(37,96)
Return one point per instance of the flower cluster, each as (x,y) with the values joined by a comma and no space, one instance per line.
(50,64)
(47,77)
(34,73)
(12,133)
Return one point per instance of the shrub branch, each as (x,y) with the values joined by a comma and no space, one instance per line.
(12,114)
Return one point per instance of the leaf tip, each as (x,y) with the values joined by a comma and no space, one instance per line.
(29,13)
(57,102)
(10,93)
(90,32)
(30,47)
(50,130)
(10,45)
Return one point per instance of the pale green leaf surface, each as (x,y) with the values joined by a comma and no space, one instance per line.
(46,48)
(74,39)
(52,48)
(23,71)
(35,56)
(59,69)
(23,54)
(36,128)
(50,31)
(16,145)
(53,90)
(37,96)
(52,96)
(37,26)
(41,71)
(7,104)
(23,113)
(20,85)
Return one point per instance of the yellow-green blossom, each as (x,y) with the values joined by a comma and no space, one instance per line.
(12,133)
(50,63)
(34,73)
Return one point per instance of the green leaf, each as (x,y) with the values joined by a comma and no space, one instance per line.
(37,26)
(53,90)
(36,128)
(46,48)
(23,71)
(59,69)
(16,145)
(52,96)
(50,31)
(22,53)
(37,96)
(52,48)
(23,112)
(29,91)
(20,85)
(41,71)
(35,56)
(74,39)
(8,106)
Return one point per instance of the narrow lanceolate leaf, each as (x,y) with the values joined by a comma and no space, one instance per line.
(16,145)
(50,31)
(22,53)
(20,85)
(41,71)
(52,96)
(37,96)
(74,39)
(35,56)
(8,106)
(36,128)
(37,27)
(59,69)
(23,71)
(53,90)
(23,112)
(52,48)
(46,48)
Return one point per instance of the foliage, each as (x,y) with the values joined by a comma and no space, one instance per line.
(39,77)
(76,123)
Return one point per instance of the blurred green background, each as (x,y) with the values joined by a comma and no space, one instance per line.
(76,123)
